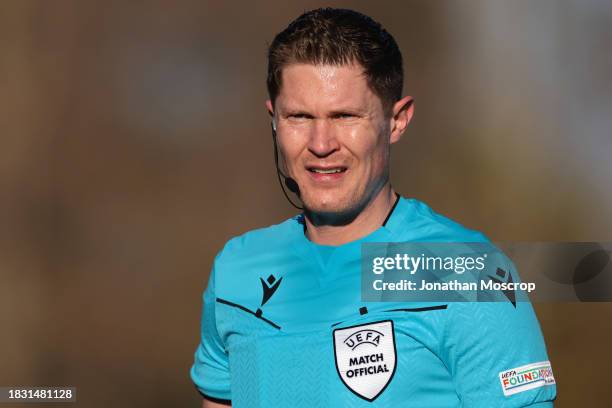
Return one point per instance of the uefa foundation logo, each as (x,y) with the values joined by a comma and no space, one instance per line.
(526,378)
(365,357)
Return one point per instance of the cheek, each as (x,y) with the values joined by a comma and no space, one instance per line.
(291,145)
(377,163)
(371,151)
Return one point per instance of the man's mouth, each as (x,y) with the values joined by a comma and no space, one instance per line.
(327,170)
(327,174)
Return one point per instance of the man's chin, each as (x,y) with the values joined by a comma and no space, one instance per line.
(330,213)
(327,210)
(325,206)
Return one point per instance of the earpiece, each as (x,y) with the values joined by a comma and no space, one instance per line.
(290,183)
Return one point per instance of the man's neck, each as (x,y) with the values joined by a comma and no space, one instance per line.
(368,221)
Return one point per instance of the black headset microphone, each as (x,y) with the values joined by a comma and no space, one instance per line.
(291,184)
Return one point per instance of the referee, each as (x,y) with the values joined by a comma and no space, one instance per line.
(283,324)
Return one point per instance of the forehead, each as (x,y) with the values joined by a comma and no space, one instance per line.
(322,86)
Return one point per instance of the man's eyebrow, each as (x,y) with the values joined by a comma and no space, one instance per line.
(293,111)
(346,111)
(334,113)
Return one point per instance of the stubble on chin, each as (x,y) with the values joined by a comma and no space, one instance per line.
(332,212)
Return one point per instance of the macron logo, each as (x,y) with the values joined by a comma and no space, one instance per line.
(269,286)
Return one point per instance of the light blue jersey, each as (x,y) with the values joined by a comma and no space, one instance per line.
(284,326)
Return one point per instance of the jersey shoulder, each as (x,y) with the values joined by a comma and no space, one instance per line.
(418,222)
(269,240)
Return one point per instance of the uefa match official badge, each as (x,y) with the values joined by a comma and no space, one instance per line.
(366,357)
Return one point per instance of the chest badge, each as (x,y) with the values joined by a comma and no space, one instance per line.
(366,357)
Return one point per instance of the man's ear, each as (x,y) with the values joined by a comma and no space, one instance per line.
(270,108)
(402,114)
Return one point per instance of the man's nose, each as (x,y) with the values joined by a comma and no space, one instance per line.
(323,139)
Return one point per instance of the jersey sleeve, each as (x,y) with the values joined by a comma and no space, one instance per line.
(496,354)
(210,371)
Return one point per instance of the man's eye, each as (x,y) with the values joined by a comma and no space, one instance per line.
(345,116)
(299,116)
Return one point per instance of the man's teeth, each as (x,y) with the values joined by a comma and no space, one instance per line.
(329,171)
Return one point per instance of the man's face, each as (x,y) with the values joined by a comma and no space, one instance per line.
(333,135)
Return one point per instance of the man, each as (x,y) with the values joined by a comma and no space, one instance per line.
(283,322)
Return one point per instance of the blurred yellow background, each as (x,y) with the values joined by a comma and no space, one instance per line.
(135,142)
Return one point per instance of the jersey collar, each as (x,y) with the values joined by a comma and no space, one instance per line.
(391,222)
